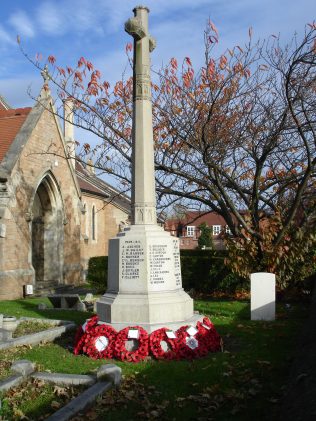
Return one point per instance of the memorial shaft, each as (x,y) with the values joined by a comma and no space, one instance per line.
(143,175)
(144,273)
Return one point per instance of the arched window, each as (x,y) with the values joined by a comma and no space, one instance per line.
(93,220)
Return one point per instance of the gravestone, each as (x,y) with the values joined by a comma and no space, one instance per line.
(262,286)
(144,273)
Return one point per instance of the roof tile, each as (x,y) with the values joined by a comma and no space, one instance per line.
(11,122)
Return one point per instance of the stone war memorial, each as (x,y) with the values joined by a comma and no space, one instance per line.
(145,295)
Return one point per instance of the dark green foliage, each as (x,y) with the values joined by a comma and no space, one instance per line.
(205,239)
(202,270)
(98,273)
(205,271)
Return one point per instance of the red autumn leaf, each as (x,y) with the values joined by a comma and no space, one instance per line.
(174,63)
(89,65)
(128,47)
(213,27)
(61,71)
(51,59)
(81,61)
(78,75)
(188,61)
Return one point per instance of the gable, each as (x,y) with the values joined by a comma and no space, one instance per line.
(3,104)
(11,122)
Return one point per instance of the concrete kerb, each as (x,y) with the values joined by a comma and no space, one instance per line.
(45,335)
(65,379)
(81,402)
(108,376)
(10,382)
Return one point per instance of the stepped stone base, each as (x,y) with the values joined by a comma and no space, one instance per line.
(144,281)
(151,327)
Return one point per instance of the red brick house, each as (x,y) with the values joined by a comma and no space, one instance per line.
(187,228)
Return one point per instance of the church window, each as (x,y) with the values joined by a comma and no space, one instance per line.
(93,221)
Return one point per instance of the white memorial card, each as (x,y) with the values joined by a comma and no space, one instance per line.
(101,343)
(191,342)
(84,326)
(133,334)
(205,326)
(192,331)
(170,334)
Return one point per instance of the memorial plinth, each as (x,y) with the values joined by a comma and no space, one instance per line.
(144,273)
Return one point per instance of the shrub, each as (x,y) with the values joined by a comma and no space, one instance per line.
(206,237)
(206,272)
(98,273)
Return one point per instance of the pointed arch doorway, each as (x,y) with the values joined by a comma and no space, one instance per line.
(47,234)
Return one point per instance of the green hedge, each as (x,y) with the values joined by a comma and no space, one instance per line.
(98,273)
(202,270)
(205,271)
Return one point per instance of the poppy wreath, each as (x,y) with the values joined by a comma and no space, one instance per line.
(90,324)
(81,333)
(140,353)
(190,347)
(211,338)
(99,342)
(155,339)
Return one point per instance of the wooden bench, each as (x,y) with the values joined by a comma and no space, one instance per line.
(67,301)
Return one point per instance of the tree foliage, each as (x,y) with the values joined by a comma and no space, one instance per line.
(205,239)
(237,137)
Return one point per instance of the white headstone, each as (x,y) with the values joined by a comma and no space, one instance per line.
(262,296)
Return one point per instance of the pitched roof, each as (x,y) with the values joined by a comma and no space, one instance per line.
(195,218)
(11,121)
(92,184)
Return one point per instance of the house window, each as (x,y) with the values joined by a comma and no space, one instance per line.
(217,229)
(190,231)
(228,230)
(93,218)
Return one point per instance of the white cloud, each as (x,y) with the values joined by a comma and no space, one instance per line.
(6,39)
(22,24)
(50,18)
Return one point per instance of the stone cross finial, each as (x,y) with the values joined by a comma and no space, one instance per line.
(45,92)
(136,29)
(45,74)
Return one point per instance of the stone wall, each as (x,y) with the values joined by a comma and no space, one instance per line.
(40,157)
(108,219)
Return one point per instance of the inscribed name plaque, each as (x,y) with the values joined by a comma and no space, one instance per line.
(176,260)
(131,259)
(159,263)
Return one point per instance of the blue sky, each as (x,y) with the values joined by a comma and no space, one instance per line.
(73,28)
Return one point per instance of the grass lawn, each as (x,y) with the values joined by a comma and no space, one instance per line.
(245,382)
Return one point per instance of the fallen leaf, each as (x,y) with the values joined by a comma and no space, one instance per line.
(55,405)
